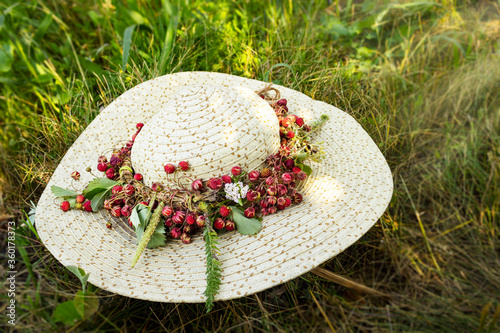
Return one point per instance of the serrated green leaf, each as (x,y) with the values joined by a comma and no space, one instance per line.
(98,185)
(98,200)
(307,169)
(86,304)
(66,313)
(245,225)
(158,239)
(62,192)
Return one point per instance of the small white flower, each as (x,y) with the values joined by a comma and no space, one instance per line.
(236,191)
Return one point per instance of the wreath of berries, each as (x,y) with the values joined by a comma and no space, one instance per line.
(235,201)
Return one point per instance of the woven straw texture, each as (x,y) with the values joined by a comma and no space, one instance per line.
(343,198)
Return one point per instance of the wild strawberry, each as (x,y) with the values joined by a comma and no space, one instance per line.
(253,175)
(280,207)
(78,205)
(290,134)
(107,204)
(281,201)
(296,169)
(169,222)
(236,171)
(226,179)
(185,238)
(272,210)
(138,177)
(197,185)
(116,211)
(286,122)
(261,190)
(253,195)
(200,221)
(289,163)
(184,165)
(87,206)
(281,102)
(230,225)
(264,211)
(175,232)
(116,189)
(297,198)
(219,223)
(263,203)
(110,173)
(271,200)
(299,121)
(281,189)
(224,211)
(265,173)
(190,219)
(156,187)
(271,190)
(292,185)
(250,212)
(307,128)
(75,175)
(287,178)
(126,210)
(188,228)
(109,225)
(169,168)
(139,126)
(102,167)
(179,217)
(270,180)
(167,211)
(102,159)
(115,160)
(288,202)
(80,198)
(130,144)
(130,223)
(301,175)
(129,189)
(214,183)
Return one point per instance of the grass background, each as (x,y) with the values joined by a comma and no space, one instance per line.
(423,79)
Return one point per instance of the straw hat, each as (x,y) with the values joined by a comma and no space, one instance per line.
(216,121)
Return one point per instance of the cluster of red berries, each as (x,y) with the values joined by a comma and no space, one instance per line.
(81,203)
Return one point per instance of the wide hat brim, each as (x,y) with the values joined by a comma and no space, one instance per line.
(343,198)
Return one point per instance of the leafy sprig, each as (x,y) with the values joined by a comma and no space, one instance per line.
(214,271)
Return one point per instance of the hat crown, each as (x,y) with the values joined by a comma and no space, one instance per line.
(212,127)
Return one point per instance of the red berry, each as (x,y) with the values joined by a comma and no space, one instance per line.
(296,169)
(116,189)
(167,211)
(288,202)
(179,217)
(219,223)
(214,183)
(80,198)
(115,160)
(197,184)
(281,102)
(290,134)
(272,210)
(75,175)
(253,175)
(185,238)
(297,198)
(175,232)
(271,190)
(301,175)
(224,211)
(65,206)
(263,203)
(156,187)
(87,206)
(270,180)
(299,121)
(250,212)
(281,189)
(230,225)
(200,221)
(108,225)
(287,177)
(169,222)
(110,173)
(129,190)
(226,179)
(102,159)
(138,177)
(286,122)
(265,173)
(130,223)
(236,170)
(116,211)
(271,200)
(126,210)
(264,211)
(102,167)
(184,165)
(190,219)
(281,201)
(169,168)
(289,163)
(139,126)
(253,195)
(107,204)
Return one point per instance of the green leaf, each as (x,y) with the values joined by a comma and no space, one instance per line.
(80,274)
(214,271)
(245,225)
(98,200)
(302,156)
(158,239)
(127,39)
(98,185)
(62,192)
(86,304)
(148,233)
(139,215)
(66,312)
